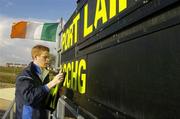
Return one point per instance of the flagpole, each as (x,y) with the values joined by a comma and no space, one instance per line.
(58,45)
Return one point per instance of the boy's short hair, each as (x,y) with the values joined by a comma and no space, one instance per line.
(38,49)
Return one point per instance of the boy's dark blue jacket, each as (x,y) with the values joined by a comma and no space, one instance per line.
(30,94)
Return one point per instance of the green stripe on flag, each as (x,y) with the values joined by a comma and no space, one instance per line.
(49,32)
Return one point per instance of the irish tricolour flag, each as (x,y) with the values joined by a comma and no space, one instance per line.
(35,30)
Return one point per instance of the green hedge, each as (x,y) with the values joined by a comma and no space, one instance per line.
(8,74)
(10,69)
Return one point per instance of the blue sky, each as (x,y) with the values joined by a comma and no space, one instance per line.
(18,50)
(38,9)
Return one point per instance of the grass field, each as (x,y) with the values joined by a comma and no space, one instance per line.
(8,74)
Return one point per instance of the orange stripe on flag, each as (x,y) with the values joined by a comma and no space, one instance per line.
(19,30)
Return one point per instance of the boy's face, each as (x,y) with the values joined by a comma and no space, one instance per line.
(43,59)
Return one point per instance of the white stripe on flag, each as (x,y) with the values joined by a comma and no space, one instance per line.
(38,31)
(33,30)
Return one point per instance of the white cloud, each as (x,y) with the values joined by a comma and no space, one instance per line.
(5,26)
(9,4)
(6,3)
(17,50)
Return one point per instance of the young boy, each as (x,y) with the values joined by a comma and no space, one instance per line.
(33,86)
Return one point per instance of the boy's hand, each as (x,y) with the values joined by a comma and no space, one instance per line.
(56,80)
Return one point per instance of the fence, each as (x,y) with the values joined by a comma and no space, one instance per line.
(9,114)
(64,109)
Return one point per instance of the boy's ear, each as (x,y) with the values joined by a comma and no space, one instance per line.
(35,57)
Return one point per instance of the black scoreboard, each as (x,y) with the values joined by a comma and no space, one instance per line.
(122,58)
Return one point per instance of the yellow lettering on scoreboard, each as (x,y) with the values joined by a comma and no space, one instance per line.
(68,73)
(112,11)
(75,75)
(69,36)
(101,16)
(87,29)
(100,12)
(122,5)
(82,77)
